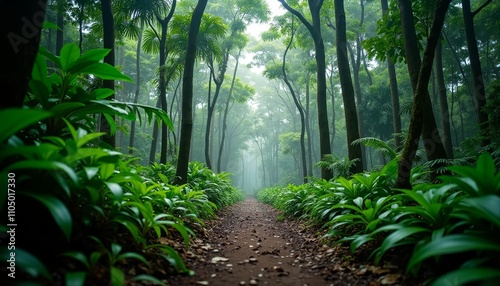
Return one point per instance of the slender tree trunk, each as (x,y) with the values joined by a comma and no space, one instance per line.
(315,31)
(300,109)
(351,117)
(162,81)
(443,102)
(393,84)
(187,94)
(226,111)
(131,141)
(421,109)
(60,24)
(154,141)
(108,24)
(20,27)
(218,80)
(477,74)
(308,128)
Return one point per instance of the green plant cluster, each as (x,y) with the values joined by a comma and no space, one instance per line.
(86,214)
(452,227)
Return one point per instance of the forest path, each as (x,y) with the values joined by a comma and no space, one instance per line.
(247,245)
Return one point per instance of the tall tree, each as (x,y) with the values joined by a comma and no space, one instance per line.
(314,29)
(298,104)
(351,117)
(131,141)
(422,117)
(20,26)
(443,101)
(393,84)
(475,65)
(237,14)
(187,94)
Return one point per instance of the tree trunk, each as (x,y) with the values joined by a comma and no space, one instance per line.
(187,94)
(315,31)
(421,110)
(443,102)
(108,28)
(60,23)
(351,117)
(131,141)
(154,141)
(162,81)
(477,74)
(300,109)
(393,84)
(20,26)
(226,111)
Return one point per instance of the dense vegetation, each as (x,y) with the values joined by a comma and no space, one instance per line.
(450,229)
(111,105)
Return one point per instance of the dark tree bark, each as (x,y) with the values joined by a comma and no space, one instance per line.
(351,117)
(20,26)
(187,94)
(477,74)
(393,84)
(443,102)
(421,115)
(314,29)
(60,23)
(108,24)
(131,141)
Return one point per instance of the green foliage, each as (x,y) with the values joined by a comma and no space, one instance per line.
(456,223)
(64,94)
(102,211)
(339,166)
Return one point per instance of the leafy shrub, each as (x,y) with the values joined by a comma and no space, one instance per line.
(456,223)
(92,208)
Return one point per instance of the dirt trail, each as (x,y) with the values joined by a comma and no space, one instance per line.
(247,245)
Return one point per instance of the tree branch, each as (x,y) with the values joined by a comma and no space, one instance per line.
(481,8)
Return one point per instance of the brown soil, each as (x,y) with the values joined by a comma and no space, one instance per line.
(247,245)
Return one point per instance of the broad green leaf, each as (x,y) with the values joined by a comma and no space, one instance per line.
(102,93)
(89,137)
(76,278)
(487,207)
(106,171)
(79,256)
(398,238)
(44,52)
(39,69)
(117,276)
(14,120)
(467,276)
(44,165)
(116,190)
(69,54)
(87,59)
(59,211)
(91,172)
(105,71)
(132,255)
(452,244)
(27,263)
(65,108)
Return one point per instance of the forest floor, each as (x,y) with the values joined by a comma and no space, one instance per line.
(248,245)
